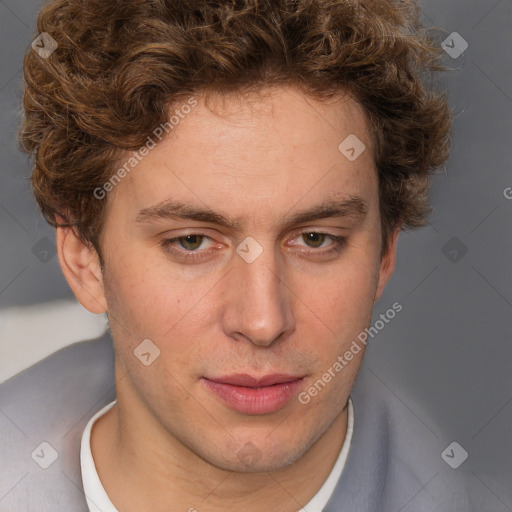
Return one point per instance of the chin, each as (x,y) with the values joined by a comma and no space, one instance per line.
(265,464)
(259,455)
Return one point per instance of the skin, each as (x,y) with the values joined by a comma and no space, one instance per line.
(258,159)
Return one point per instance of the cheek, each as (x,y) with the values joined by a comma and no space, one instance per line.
(136,295)
(141,284)
(148,301)
(343,300)
(342,310)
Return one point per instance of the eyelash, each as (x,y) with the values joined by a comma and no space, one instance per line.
(338,244)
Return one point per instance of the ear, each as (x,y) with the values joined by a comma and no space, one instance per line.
(81,267)
(387,264)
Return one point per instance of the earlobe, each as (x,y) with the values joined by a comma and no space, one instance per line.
(81,268)
(387,265)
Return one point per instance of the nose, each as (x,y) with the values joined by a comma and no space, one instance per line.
(257,301)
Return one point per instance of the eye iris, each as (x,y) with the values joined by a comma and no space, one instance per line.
(194,240)
(316,238)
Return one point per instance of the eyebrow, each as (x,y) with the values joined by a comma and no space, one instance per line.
(353,206)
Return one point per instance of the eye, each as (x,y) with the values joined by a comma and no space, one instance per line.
(187,247)
(316,240)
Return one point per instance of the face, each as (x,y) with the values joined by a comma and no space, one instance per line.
(246,247)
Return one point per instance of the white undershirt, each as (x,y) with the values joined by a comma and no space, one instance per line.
(98,500)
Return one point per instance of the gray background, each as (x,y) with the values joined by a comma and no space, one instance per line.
(447,356)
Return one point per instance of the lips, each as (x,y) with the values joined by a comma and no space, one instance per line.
(254,395)
(248,381)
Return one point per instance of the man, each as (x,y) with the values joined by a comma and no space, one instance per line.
(228,181)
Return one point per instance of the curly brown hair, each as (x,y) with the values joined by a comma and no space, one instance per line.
(120,65)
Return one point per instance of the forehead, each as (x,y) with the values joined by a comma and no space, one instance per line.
(278,119)
(252,153)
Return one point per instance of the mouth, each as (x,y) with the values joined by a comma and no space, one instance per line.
(254,395)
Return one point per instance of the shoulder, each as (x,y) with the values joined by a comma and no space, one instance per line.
(43,412)
(395,461)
